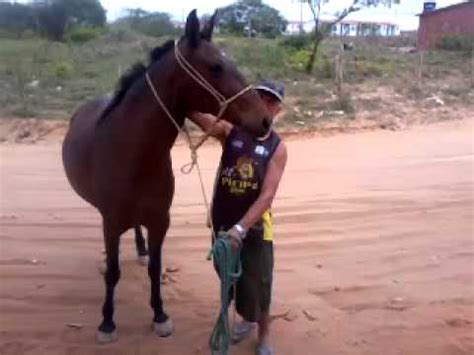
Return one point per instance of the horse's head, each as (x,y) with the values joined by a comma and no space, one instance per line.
(198,50)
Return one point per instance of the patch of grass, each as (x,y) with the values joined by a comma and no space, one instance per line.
(297,42)
(345,103)
(83,34)
(63,70)
(298,59)
(372,69)
(258,58)
(455,91)
(65,75)
(461,43)
(324,67)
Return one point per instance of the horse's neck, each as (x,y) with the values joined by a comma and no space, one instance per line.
(146,120)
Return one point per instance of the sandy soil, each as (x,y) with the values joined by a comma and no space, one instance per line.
(374,252)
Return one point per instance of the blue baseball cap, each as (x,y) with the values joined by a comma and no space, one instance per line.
(272,87)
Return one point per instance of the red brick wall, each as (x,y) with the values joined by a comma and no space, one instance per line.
(458,19)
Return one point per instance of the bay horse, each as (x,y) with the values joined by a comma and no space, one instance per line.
(116,153)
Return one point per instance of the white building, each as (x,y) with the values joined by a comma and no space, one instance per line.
(354,28)
(366,22)
(296,27)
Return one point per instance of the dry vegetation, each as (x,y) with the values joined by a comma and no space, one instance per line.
(382,84)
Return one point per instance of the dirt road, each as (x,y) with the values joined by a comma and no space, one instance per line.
(374,252)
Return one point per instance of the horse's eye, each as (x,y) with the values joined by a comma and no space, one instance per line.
(217,69)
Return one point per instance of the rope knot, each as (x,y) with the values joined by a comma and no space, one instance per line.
(189,167)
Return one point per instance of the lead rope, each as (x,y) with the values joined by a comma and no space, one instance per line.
(187,168)
(221,333)
(230,269)
(223,104)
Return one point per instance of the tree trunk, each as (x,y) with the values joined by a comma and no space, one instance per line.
(314,51)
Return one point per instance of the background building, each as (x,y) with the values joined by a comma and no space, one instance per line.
(452,20)
(354,28)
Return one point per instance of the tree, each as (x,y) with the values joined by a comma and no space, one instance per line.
(85,12)
(52,19)
(252,17)
(16,18)
(54,16)
(321,30)
(150,23)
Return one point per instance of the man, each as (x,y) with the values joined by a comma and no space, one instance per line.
(247,180)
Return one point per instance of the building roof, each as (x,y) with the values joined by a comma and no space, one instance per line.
(447,8)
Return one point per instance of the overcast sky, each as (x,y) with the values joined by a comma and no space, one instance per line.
(404,14)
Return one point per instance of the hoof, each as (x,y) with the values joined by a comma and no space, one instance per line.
(164,329)
(143,260)
(106,338)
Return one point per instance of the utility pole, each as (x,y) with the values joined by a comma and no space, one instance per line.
(249,25)
(301,17)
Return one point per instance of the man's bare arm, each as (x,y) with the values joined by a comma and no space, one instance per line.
(276,167)
(208,123)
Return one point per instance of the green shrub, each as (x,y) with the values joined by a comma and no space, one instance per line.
(462,43)
(297,60)
(63,70)
(84,34)
(296,42)
(323,66)
(6,34)
(373,69)
(260,56)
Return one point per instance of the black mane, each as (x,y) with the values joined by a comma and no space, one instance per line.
(131,76)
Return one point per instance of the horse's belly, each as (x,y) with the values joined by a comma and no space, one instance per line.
(77,150)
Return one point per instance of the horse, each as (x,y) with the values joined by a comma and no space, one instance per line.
(116,153)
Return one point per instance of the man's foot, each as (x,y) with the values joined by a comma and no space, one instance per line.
(264,350)
(241,331)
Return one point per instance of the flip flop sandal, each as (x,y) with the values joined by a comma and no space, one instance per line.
(264,350)
(241,331)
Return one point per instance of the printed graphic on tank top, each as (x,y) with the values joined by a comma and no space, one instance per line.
(239,180)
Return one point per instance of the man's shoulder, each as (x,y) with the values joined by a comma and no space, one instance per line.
(281,150)
(279,137)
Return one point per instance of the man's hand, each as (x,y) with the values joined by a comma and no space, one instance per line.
(235,238)
(209,124)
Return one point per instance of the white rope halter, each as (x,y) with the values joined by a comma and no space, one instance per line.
(198,78)
(193,73)
(223,105)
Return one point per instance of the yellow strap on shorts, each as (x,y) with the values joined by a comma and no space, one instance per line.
(267,226)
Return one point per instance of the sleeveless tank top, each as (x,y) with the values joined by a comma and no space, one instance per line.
(239,180)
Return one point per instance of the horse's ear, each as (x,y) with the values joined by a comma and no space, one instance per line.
(192,29)
(208,29)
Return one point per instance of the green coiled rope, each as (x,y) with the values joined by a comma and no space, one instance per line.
(230,268)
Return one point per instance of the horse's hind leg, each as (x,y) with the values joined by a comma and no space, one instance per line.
(107,332)
(162,324)
(141,247)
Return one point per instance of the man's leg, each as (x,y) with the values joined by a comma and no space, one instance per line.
(264,329)
(263,347)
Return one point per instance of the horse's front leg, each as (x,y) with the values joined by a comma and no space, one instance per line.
(141,247)
(107,330)
(162,324)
